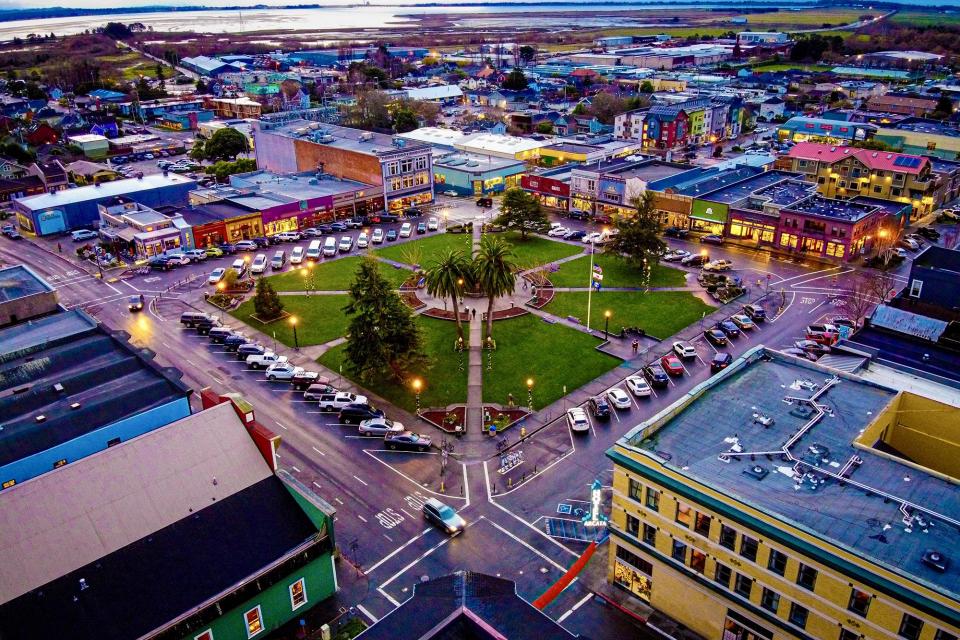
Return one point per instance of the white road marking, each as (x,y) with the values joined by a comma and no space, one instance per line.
(317,485)
(423,555)
(318,451)
(360,481)
(818,306)
(388,537)
(361,517)
(400,548)
(369,615)
(295,468)
(529,546)
(466,485)
(339,501)
(570,611)
(409,515)
(400,473)
(386,595)
(280,425)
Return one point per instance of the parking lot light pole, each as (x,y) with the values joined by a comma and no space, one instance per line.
(221,287)
(296,342)
(606,324)
(530,393)
(417,385)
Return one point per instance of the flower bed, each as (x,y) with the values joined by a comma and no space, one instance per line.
(542,299)
(503,418)
(451,420)
(411,300)
(442,314)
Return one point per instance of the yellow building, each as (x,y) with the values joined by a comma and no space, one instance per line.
(845,172)
(783,499)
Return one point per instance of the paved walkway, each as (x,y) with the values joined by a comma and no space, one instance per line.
(475,366)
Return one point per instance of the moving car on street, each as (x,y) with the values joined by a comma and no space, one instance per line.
(135,303)
(443,516)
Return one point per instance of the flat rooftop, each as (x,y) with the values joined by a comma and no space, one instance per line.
(846,210)
(736,191)
(475,163)
(651,171)
(297,186)
(101,373)
(19,281)
(693,437)
(338,137)
(103,190)
(905,351)
(930,127)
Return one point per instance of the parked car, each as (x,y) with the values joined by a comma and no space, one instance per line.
(296,256)
(721,360)
(338,227)
(716,337)
(742,321)
(822,333)
(485,202)
(84,234)
(259,264)
(672,365)
(379,427)
(729,328)
(811,346)
(599,408)
(240,266)
(718,265)
(227,248)
(407,440)
(638,386)
(391,235)
(363,240)
(451,193)
(656,376)
(756,312)
(316,391)
(443,516)
(695,260)
(676,255)
(377,236)
(684,349)
(312,232)
(246,245)
(197,255)
(577,420)
(278,260)
(159,264)
(433,223)
(329,247)
(234,340)
(305,379)
(712,239)
(176,258)
(575,234)
(282,371)
(558,232)
(264,360)
(346,244)
(929,233)
(340,400)
(357,412)
(192,318)
(618,398)
(910,243)
(262,242)
(288,236)
(843,321)
(216,334)
(421,228)
(676,232)
(213,252)
(406,229)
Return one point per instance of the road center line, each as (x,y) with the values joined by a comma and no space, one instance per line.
(361,481)
(295,468)
(361,517)
(280,425)
(400,548)
(318,451)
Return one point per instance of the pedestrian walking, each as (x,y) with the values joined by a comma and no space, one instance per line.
(636,346)
(473,312)
(59,248)
(524,284)
(523,434)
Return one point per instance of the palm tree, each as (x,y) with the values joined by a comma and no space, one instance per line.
(494,272)
(448,276)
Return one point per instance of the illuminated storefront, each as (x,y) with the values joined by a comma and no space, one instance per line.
(633,573)
(752,228)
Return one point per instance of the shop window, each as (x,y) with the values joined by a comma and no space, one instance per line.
(807,577)
(877,189)
(698,561)
(722,575)
(684,514)
(653,499)
(743,585)
(728,537)
(298,594)
(821,180)
(635,489)
(634,560)
(633,526)
(679,552)
(770,600)
(798,615)
(910,627)
(254,621)
(835,249)
(650,535)
(777,562)
(702,524)
(748,548)
(631,576)
(788,240)
(9,483)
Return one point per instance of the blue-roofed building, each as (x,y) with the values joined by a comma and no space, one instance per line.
(805,129)
(71,209)
(210,67)
(70,388)
(106,95)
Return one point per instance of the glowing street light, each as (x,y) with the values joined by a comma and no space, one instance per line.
(293,323)
(530,393)
(417,386)
(606,324)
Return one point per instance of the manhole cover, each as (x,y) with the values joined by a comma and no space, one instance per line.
(543,570)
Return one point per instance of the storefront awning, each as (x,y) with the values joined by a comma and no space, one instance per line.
(124,233)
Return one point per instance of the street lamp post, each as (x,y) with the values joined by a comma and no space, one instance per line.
(296,342)
(530,393)
(417,385)
(221,287)
(606,324)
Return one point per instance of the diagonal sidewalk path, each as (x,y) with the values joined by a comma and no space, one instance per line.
(475,366)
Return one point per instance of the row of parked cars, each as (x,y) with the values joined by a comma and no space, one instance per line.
(350,408)
(657,374)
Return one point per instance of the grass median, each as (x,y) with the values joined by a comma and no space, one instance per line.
(660,313)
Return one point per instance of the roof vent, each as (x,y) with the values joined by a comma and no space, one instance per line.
(757,472)
(41,418)
(75,406)
(935,560)
(83,584)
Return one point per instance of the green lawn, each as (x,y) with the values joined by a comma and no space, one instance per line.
(659,313)
(420,251)
(773,67)
(535,251)
(552,354)
(809,18)
(319,319)
(919,18)
(333,275)
(616,273)
(443,381)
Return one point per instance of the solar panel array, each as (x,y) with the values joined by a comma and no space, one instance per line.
(908,162)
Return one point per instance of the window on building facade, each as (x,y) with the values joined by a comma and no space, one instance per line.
(821,180)
(836,249)
(684,514)
(916,286)
(748,548)
(798,615)
(859,602)
(635,489)
(743,585)
(633,525)
(770,600)
(807,577)
(943,635)
(847,634)
(788,240)
(393,168)
(877,189)
(653,499)
(298,594)
(650,534)
(679,552)
(254,621)
(777,562)
(406,166)
(910,627)
(698,560)
(722,575)
(728,537)
(634,560)
(421,163)
(702,524)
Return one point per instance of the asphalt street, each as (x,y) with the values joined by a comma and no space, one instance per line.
(378,493)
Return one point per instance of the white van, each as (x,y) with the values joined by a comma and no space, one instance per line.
(406,229)
(329,246)
(296,256)
(313,251)
(259,264)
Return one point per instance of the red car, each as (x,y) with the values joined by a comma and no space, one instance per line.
(671,364)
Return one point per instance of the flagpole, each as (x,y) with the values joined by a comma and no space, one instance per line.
(590,285)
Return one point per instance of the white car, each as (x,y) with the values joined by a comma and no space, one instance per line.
(259,264)
(577,420)
(346,244)
(406,229)
(433,223)
(676,255)
(638,386)
(618,398)
(240,266)
(216,275)
(743,321)
(684,349)
(337,401)
(262,360)
(176,258)
(296,256)
(363,240)
(380,427)
(718,265)
(592,237)
(282,371)
(900,252)
(451,193)
(246,245)
(377,237)
(196,255)
(557,232)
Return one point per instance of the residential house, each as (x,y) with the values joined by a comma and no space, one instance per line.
(84,172)
(52,174)
(41,133)
(771,109)
(904,105)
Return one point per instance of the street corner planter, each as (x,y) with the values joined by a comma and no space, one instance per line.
(501,418)
(280,317)
(453,419)
(412,300)
(223,301)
